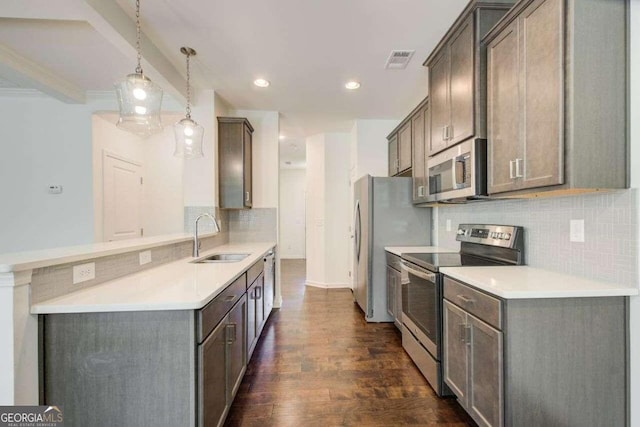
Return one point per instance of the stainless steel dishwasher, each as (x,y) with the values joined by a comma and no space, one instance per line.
(269,282)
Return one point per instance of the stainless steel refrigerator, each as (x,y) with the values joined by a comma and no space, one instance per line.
(383,216)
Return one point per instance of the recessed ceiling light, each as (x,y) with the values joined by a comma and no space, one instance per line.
(261,82)
(352,85)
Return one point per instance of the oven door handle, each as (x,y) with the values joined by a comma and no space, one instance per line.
(419,273)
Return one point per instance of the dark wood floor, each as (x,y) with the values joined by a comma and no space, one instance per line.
(320,364)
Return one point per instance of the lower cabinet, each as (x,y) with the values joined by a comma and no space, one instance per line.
(394,289)
(221,365)
(473,364)
(536,362)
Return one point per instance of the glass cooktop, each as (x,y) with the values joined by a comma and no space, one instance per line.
(434,261)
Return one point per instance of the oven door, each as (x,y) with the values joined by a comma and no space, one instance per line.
(421,305)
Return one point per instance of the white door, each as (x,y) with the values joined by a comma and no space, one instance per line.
(122,194)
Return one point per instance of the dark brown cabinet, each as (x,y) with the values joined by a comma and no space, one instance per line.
(255,313)
(393,155)
(556,108)
(235,163)
(400,150)
(456,77)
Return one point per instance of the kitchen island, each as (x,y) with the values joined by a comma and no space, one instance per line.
(176,336)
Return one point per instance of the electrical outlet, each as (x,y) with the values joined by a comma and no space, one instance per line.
(576,230)
(145,257)
(448,225)
(84,272)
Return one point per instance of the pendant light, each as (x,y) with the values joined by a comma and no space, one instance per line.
(188,132)
(139,98)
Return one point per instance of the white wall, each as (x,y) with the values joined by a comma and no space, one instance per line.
(200,177)
(266,153)
(162,172)
(635,183)
(328,210)
(45,141)
(292,213)
(369,150)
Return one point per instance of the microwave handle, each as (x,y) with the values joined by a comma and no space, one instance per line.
(459,160)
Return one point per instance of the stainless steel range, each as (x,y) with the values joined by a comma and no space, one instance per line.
(482,245)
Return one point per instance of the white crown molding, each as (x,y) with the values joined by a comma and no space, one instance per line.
(18,92)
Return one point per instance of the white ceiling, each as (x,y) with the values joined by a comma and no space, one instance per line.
(307,49)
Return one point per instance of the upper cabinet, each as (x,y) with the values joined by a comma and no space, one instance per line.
(400,150)
(407,149)
(234,162)
(457,70)
(556,97)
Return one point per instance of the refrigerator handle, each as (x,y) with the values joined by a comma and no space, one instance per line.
(357,227)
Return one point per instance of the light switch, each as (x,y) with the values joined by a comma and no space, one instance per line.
(576,230)
(54,189)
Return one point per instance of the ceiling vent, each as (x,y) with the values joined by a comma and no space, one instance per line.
(399,59)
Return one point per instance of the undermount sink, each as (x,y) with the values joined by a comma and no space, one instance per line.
(221,258)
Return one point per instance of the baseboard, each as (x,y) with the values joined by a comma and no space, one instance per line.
(327,285)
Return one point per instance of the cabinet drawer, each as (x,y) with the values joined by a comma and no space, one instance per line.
(393,261)
(254,271)
(481,305)
(215,311)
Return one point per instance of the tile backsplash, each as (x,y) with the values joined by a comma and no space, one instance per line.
(610,249)
(205,225)
(253,225)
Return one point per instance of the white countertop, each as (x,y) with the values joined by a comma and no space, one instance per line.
(20,261)
(398,250)
(179,285)
(523,282)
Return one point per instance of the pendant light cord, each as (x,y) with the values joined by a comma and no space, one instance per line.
(139,67)
(188,87)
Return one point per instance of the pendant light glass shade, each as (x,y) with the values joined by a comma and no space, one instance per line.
(188,133)
(140,102)
(139,99)
(188,139)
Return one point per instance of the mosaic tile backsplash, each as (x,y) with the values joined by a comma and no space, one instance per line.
(253,225)
(610,249)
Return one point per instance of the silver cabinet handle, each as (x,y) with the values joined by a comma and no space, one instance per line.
(246,196)
(445,133)
(422,274)
(511,174)
(230,298)
(518,171)
(465,299)
(232,333)
(462,333)
(259,292)
(421,191)
(450,132)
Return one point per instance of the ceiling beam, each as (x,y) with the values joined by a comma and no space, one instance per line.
(26,73)
(113,23)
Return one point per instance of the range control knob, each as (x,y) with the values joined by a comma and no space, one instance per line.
(461,232)
(507,236)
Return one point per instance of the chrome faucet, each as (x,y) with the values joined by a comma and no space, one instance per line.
(196,241)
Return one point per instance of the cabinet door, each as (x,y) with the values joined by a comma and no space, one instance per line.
(485,376)
(455,351)
(404,147)
(461,83)
(212,377)
(237,342)
(542,56)
(393,155)
(418,153)
(391,292)
(503,110)
(251,319)
(439,102)
(398,290)
(247,164)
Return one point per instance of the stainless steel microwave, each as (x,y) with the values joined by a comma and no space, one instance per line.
(459,173)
